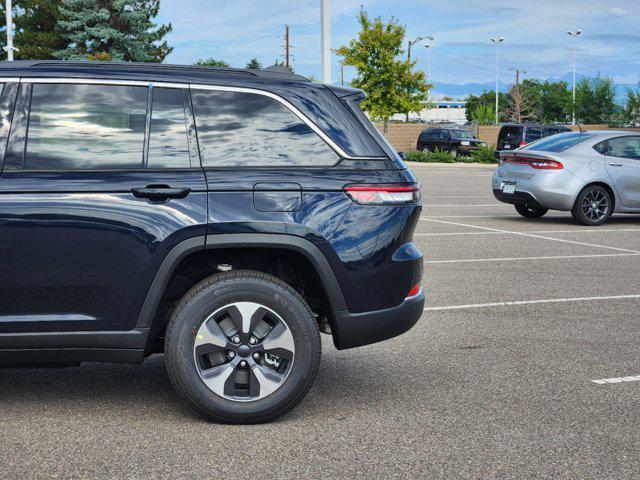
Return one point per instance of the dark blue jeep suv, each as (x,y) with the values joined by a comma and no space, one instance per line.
(223,217)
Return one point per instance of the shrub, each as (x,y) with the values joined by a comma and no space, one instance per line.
(438,156)
(483,155)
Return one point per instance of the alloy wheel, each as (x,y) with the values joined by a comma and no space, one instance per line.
(595,205)
(243,351)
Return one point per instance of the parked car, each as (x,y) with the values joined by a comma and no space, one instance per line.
(454,140)
(223,217)
(516,135)
(592,174)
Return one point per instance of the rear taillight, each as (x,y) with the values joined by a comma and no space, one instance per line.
(384,194)
(537,163)
(415,291)
(523,144)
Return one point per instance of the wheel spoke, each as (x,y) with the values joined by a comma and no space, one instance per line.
(267,381)
(216,377)
(242,314)
(280,338)
(210,334)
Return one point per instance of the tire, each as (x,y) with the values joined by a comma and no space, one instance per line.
(200,344)
(527,211)
(593,206)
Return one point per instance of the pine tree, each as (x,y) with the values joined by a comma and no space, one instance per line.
(123,29)
(37,36)
(254,64)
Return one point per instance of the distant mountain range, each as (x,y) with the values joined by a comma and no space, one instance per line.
(462,91)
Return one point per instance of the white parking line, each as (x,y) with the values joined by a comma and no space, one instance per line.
(470,205)
(513,259)
(586,230)
(532,302)
(562,240)
(459,196)
(604,381)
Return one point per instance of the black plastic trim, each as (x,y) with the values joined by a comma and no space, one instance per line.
(517,198)
(352,330)
(133,339)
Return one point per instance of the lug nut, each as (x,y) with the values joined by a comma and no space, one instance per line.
(256,356)
(231,354)
(236,339)
(243,363)
(253,341)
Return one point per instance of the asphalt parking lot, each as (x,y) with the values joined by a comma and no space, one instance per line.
(496,380)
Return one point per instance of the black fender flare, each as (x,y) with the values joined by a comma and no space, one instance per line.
(239,240)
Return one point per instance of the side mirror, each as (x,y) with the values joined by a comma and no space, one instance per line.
(402,155)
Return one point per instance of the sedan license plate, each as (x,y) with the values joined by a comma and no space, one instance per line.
(509,188)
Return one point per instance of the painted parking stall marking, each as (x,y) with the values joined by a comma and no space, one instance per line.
(605,381)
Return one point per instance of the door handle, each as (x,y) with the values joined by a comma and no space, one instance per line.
(160,192)
(613,164)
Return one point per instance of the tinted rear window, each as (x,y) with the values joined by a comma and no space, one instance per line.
(559,143)
(511,134)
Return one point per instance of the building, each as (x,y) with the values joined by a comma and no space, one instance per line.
(439,112)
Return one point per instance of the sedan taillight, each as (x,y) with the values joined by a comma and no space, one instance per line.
(537,163)
(384,194)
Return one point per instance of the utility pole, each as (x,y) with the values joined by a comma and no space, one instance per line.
(415,42)
(517,99)
(497,41)
(9,15)
(325,41)
(287,54)
(341,73)
(574,36)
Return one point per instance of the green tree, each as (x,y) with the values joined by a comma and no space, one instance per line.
(550,102)
(37,35)
(488,99)
(482,114)
(212,62)
(254,64)
(123,29)
(631,111)
(595,100)
(390,83)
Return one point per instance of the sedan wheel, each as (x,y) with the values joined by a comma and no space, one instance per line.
(593,206)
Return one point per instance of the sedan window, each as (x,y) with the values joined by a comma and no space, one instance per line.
(559,143)
(460,134)
(624,147)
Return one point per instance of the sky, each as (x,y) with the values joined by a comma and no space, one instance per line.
(535,34)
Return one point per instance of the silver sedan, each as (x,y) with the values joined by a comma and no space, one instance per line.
(592,174)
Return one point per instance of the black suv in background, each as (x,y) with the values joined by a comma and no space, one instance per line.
(516,135)
(223,217)
(454,140)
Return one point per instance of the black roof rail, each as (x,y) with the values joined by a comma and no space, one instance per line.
(268,73)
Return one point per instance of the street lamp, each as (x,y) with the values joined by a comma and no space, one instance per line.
(415,42)
(574,36)
(497,41)
(429,46)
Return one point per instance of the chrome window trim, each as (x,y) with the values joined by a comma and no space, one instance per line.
(9,80)
(334,146)
(100,81)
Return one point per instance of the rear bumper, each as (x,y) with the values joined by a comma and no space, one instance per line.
(517,198)
(357,329)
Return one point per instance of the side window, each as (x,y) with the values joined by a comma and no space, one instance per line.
(444,134)
(237,129)
(533,134)
(602,147)
(551,131)
(168,141)
(83,127)
(624,147)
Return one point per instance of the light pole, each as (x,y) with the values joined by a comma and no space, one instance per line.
(429,46)
(415,42)
(9,15)
(325,41)
(574,36)
(497,41)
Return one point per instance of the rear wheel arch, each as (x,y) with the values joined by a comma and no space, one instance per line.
(606,186)
(208,252)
